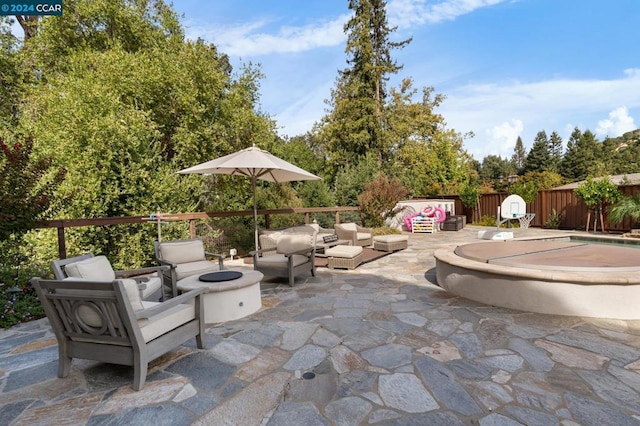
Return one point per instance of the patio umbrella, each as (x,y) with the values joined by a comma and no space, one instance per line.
(254,163)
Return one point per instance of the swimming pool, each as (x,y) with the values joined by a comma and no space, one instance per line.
(577,275)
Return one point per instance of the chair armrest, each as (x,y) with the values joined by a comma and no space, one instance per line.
(261,251)
(346,234)
(363,229)
(168,304)
(140,271)
(301,251)
(220,258)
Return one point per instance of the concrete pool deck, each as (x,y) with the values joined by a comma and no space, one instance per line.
(386,346)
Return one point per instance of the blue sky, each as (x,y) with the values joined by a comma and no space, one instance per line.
(508,68)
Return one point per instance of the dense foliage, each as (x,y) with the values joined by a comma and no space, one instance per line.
(371,128)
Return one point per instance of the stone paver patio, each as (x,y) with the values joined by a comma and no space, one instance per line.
(384,345)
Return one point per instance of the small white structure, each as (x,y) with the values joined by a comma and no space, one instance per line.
(415,206)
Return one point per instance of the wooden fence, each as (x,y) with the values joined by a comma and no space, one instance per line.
(563,201)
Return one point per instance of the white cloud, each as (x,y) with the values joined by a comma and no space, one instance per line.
(416,12)
(503,137)
(248,40)
(542,105)
(253,39)
(619,122)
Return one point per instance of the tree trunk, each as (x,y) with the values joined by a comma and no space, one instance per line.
(588,220)
(29,25)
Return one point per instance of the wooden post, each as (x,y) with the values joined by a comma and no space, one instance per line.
(306,218)
(62,245)
(267,223)
(543,208)
(192,228)
(337,217)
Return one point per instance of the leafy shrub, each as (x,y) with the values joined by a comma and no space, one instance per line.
(554,220)
(487,220)
(378,201)
(19,307)
(385,230)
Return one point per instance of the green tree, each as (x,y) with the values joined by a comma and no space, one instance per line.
(539,157)
(579,160)
(350,182)
(123,103)
(555,152)
(597,194)
(543,180)
(356,121)
(25,188)
(493,169)
(519,157)
(11,74)
(470,197)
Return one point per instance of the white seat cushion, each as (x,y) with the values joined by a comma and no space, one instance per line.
(363,235)
(346,252)
(280,260)
(391,238)
(160,324)
(95,268)
(152,285)
(184,270)
(182,251)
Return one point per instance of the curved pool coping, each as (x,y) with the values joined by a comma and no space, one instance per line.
(585,292)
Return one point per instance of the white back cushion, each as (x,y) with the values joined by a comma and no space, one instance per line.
(295,242)
(182,251)
(95,268)
(349,226)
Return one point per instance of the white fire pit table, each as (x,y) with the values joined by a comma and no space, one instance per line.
(227,300)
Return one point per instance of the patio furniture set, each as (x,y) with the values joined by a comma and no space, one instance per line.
(124,317)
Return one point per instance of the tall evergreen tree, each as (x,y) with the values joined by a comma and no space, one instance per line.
(569,163)
(581,157)
(539,157)
(519,157)
(555,152)
(356,122)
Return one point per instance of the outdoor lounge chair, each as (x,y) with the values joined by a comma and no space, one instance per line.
(292,255)
(107,322)
(358,235)
(89,267)
(184,259)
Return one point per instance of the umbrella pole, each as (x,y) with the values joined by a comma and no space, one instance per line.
(255,213)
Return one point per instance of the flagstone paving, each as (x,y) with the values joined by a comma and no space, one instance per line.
(384,345)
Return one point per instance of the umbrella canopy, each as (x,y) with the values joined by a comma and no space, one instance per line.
(254,163)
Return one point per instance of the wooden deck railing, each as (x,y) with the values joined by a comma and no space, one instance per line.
(62,224)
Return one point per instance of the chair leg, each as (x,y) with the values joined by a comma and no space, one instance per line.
(139,374)
(64,364)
